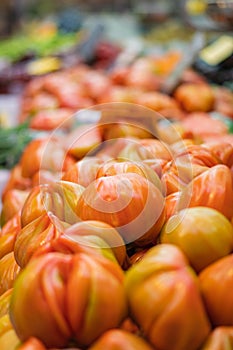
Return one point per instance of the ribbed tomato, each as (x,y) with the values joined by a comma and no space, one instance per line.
(59,298)
(128,202)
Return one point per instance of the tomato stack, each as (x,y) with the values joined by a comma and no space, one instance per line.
(115,237)
(119,234)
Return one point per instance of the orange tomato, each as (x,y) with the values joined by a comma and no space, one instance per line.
(82,141)
(32,344)
(34,235)
(59,197)
(216,285)
(121,340)
(115,167)
(203,234)
(9,270)
(94,234)
(125,201)
(195,97)
(84,171)
(59,297)
(222,150)
(220,338)
(8,235)
(213,189)
(164,300)
(47,153)
(13,202)
(16,181)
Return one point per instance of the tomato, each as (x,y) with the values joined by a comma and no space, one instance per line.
(121,340)
(60,297)
(164,300)
(220,338)
(82,141)
(13,202)
(125,201)
(9,270)
(98,234)
(59,197)
(34,235)
(50,119)
(195,97)
(115,167)
(214,189)
(16,181)
(199,124)
(84,171)
(203,234)
(222,150)
(47,153)
(5,302)
(32,344)
(145,149)
(45,177)
(8,235)
(216,285)
(121,129)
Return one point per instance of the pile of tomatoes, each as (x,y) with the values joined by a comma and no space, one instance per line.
(118,235)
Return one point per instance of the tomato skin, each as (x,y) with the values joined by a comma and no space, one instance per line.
(47,154)
(124,201)
(8,235)
(195,97)
(145,149)
(59,198)
(9,270)
(5,302)
(123,167)
(222,150)
(84,171)
(164,300)
(16,181)
(60,297)
(12,203)
(121,340)
(32,344)
(217,277)
(213,189)
(203,234)
(105,237)
(221,338)
(33,236)
(82,141)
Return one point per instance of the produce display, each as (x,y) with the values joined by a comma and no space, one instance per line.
(118,233)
